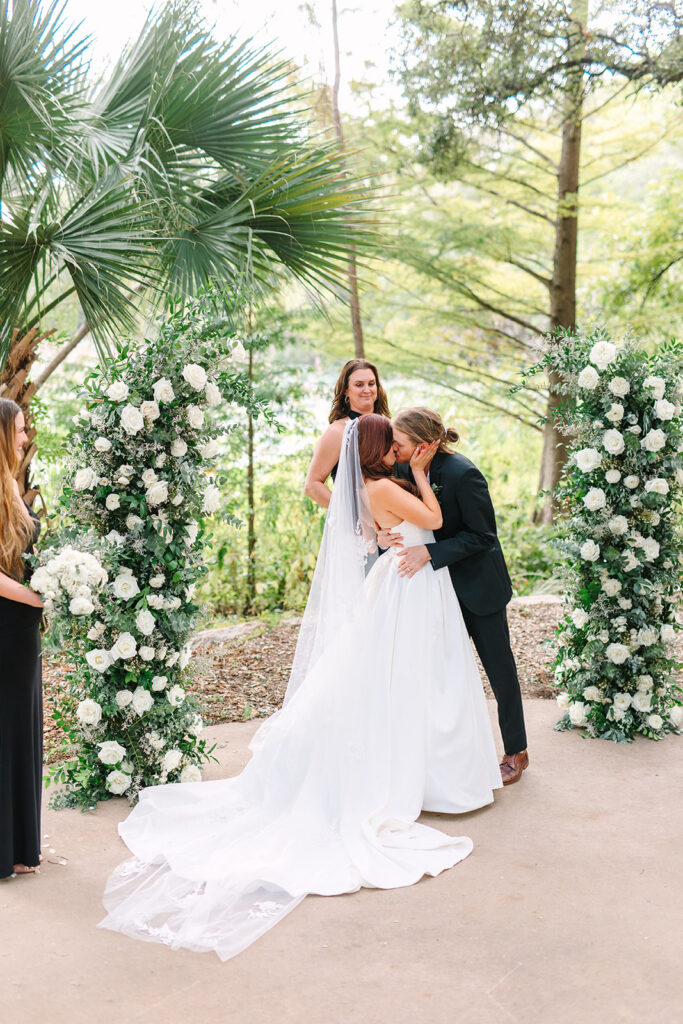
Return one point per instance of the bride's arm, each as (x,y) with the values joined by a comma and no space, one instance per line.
(387,497)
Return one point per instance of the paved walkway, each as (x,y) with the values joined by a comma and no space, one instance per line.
(568,910)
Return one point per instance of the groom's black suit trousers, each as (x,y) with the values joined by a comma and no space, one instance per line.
(491,637)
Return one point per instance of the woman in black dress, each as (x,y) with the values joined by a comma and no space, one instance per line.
(21,707)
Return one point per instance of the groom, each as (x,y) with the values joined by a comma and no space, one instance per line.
(468,544)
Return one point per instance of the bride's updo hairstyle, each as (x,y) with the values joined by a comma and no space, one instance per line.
(16,528)
(423,425)
(340,403)
(375,438)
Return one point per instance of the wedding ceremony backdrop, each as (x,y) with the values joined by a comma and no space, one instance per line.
(195,237)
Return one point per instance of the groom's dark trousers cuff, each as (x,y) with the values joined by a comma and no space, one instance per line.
(491,637)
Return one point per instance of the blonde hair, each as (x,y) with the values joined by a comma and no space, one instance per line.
(16,526)
(424,425)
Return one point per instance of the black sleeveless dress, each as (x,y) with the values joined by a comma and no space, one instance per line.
(21,732)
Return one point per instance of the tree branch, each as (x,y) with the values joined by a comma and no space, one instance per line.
(80,334)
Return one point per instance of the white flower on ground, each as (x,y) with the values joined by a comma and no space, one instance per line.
(654,721)
(631,481)
(647,636)
(212,394)
(668,633)
(611,587)
(590,551)
(613,442)
(118,391)
(195,417)
(190,773)
(81,606)
(587,459)
(125,586)
(150,411)
(163,391)
(142,700)
(676,716)
(580,618)
(131,420)
(156,581)
(123,698)
(619,386)
(616,412)
(111,752)
(98,659)
(195,376)
(209,450)
(212,499)
(617,653)
(147,653)
(589,378)
(171,759)
(653,441)
(175,696)
(239,353)
(657,385)
(85,479)
(179,448)
(125,647)
(622,701)
(159,682)
(118,782)
(149,477)
(657,485)
(602,354)
(577,714)
(89,712)
(595,499)
(157,493)
(562,701)
(112,502)
(612,476)
(650,549)
(102,444)
(145,622)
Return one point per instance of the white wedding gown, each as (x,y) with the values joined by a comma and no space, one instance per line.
(390,722)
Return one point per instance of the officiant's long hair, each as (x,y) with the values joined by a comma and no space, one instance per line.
(340,403)
(16,528)
(422,425)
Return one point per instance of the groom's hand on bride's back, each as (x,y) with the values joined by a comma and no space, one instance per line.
(389,539)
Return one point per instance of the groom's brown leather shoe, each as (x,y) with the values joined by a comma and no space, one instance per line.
(512,766)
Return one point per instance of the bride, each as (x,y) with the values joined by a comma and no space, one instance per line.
(384,717)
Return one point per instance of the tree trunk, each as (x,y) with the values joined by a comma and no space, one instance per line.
(14,384)
(354,302)
(251,522)
(563,284)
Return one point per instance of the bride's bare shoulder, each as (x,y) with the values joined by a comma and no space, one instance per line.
(385,485)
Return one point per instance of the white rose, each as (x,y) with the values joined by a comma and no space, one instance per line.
(616,413)
(159,682)
(113,502)
(592,694)
(617,653)
(125,647)
(577,714)
(150,411)
(239,353)
(171,759)
(635,430)
(145,622)
(123,475)
(89,712)
(580,618)
(157,493)
(212,394)
(654,721)
(195,376)
(133,522)
(647,636)
(96,631)
(111,752)
(149,477)
(212,499)
(668,633)
(676,716)
(613,442)
(114,537)
(173,604)
(631,481)
(619,386)
(142,701)
(118,782)
(172,658)
(160,460)
(602,354)
(98,659)
(630,561)
(177,499)
(562,701)
(650,549)
(664,410)
(612,476)
(131,419)
(191,532)
(653,441)
(125,586)
(85,479)
(195,417)
(156,581)
(102,444)
(611,587)
(590,551)
(175,696)
(146,653)
(163,391)
(156,741)
(622,701)
(209,450)
(625,603)
(118,391)
(587,459)
(81,606)
(185,656)
(595,499)
(179,448)
(156,601)
(589,378)
(190,773)
(657,384)
(657,485)
(123,698)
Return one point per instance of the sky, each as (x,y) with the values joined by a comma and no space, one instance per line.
(363,30)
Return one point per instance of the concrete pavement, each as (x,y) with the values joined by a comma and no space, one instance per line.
(568,911)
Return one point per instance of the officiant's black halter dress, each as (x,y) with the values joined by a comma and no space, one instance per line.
(21,732)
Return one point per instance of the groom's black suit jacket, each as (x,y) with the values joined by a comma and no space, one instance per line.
(467,542)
